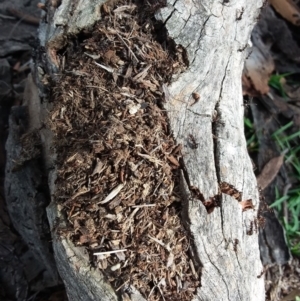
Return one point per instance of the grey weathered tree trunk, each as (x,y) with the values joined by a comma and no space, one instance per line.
(215,35)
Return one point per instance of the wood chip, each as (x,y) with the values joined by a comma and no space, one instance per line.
(112,194)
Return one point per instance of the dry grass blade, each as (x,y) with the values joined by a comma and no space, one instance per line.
(160,243)
(82,191)
(132,53)
(108,69)
(151,159)
(140,76)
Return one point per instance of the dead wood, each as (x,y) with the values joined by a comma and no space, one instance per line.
(141,124)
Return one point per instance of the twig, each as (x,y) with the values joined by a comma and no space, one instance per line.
(140,76)
(108,69)
(151,159)
(98,88)
(82,191)
(160,289)
(110,252)
(160,243)
(7,17)
(128,48)
(94,57)
(157,285)
(24,17)
(122,285)
(146,205)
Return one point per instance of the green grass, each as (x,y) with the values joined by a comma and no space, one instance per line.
(251,138)
(276,82)
(288,205)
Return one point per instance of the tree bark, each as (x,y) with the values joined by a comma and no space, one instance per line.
(217,168)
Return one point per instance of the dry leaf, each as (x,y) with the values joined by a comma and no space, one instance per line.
(269,172)
(288,9)
(258,67)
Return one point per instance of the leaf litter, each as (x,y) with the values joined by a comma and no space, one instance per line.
(117,162)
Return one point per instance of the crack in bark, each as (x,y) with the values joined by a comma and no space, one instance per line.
(216,149)
(186,21)
(222,219)
(169,17)
(171,14)
(199,114)
(238,288)
(217,270)
(215,127)
(199,39)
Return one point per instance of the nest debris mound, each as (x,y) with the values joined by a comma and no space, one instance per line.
(117,163)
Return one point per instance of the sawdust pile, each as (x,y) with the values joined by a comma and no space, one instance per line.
(117,161)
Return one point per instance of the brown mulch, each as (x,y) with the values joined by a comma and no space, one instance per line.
(283,281)
(117,161)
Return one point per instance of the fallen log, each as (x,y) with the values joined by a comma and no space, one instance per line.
(140,120)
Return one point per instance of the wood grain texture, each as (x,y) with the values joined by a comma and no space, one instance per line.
(215,42)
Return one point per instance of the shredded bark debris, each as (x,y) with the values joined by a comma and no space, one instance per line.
(118,165)
(282,281)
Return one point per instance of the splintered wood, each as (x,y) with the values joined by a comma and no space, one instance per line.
(117,161)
